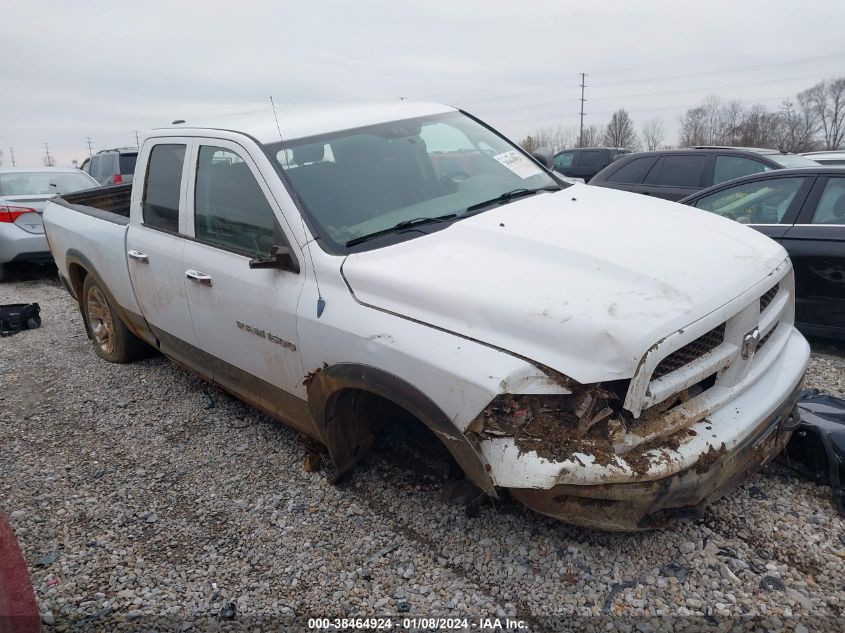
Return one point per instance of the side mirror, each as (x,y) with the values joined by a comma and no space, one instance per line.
(545,156)
(281,257)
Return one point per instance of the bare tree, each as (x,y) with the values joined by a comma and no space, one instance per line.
(592,136)
(795,126)
(693,128)
(653,134)
(529,143)
(730,122)
(827,98)
(620,131)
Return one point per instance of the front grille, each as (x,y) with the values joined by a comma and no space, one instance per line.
(766,338)
(690,352)
(767,298)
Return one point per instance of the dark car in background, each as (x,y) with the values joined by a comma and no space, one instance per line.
(586,162)
(804,210)
(677,173)
(111,166)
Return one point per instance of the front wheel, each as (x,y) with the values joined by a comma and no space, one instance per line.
(112,339)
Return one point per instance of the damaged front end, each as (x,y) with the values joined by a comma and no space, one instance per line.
(606,475)
(628,455)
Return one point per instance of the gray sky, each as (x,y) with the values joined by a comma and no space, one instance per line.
(104,69)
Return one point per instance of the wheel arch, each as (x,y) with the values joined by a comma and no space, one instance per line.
(79,267)
(327,384)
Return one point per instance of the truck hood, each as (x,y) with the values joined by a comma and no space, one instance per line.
(584,280)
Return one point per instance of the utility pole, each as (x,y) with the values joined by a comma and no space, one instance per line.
(48,162)
(137,140)
(582,100)
(90,149)
(12,156)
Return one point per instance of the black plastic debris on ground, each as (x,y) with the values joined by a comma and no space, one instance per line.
(772,583)
(817,447)
(15,317)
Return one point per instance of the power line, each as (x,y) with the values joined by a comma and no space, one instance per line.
(90,148)
(644,110)
(48,159)
(12,156)
(690,91)
(721,87)
(662,78)
(137,139)
(722,70)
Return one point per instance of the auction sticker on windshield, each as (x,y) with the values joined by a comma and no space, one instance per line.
(518,164)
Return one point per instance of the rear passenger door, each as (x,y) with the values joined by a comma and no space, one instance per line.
(816,244)
(244,317)
(675,176)
(154,242)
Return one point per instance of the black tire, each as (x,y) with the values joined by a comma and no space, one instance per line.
(111,338)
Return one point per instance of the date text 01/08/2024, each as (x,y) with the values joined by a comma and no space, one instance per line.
(452,624)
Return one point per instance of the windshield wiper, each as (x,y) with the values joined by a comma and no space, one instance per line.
(400,226)
(508,196)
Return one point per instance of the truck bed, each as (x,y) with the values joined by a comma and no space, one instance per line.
(89,227)
(107,203)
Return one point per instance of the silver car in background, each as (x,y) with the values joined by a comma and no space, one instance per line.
(23,194)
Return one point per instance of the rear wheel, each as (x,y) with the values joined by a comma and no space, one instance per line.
(112,339)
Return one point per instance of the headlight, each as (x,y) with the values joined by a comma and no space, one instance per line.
(590,419)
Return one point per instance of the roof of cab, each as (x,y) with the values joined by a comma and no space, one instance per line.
(302,121)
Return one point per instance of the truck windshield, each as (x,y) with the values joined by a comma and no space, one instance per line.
(396,175)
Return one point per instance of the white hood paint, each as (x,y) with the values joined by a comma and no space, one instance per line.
(584,280)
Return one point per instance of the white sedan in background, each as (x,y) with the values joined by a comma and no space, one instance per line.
(23,193)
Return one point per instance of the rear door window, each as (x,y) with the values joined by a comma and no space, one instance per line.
(97,170)
(163,186)
(631,172)
(730,167)
(684,170)
(831,207)
(590,157)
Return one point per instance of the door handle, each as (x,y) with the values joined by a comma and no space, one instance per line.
(199,277)
(138,256)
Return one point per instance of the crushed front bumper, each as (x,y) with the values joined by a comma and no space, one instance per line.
(741,436)
(649,504)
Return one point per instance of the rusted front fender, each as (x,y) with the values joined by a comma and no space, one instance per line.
(348,438)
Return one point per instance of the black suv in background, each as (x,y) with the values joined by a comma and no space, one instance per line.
(678,173)
(586,162)
(111,166)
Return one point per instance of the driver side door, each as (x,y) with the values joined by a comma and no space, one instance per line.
(244,318)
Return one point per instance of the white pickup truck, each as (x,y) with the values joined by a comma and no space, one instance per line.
(611,360)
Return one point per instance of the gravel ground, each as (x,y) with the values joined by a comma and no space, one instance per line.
(137,491)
